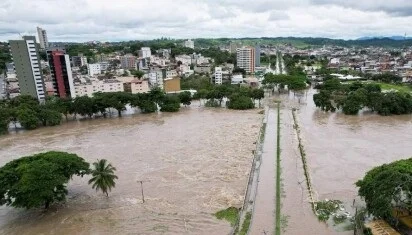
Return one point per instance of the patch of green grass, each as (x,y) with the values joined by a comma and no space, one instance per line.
(397,87)
(230,214)
(325,208)
(246,224)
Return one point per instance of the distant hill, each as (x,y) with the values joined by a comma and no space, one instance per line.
(397,38)
(306,42)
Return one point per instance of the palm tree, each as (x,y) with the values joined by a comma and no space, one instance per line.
(103,176)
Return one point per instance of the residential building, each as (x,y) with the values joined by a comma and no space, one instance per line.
(43,40)
(128,62)
(245,58)
(257,55)
(136,86)
(233,46)
(185,59)
(165,53)
(218,75)
(156,78)
(237,79)
(61,73)
(202,68)
(171,73)
(189,43)
(145,52)
(79,61)
(26,63)
(172,85)
(103,66)
(2,87)
(93,69)
(93,86)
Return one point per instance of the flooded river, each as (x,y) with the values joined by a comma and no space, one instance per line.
(192,164)
(340,149)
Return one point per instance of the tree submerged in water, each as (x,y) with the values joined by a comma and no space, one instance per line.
(39,180)
(103,176)
(387,187)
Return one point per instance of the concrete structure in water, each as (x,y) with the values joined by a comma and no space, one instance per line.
(61,72)
(245,58)
(43,40)
(27,66)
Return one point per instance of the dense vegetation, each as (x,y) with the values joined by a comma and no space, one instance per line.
(39,180)
(239,97)
(5,56)
(290,82)
(31,114)
(387,187)
(353,97)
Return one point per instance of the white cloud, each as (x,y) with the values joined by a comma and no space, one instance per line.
(85,20)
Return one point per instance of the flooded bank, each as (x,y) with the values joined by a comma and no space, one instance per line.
(192,164)
(340,149)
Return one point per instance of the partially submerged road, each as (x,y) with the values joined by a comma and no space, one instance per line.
(263,219)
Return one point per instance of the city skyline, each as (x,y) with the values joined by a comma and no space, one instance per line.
(88,20)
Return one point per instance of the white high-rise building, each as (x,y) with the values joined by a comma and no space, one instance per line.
(43,40)
(245,58)
(218,75)
(145,52)
(190,44)
(94,69)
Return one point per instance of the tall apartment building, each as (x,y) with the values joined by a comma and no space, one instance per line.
(189,43)
(93,69)
(218,75)
(128,62)
(26,60)
(43,40)
(257,55)
(78,61)
(245,58)
(145,52)
(61,73)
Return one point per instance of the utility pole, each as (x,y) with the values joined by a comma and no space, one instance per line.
(141,185)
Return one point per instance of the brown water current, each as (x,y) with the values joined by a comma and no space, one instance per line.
(192,164)
(340,149)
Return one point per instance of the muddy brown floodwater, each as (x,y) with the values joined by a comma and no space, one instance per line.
(340,149)
(193,163)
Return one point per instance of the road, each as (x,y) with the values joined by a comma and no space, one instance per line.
(263,219)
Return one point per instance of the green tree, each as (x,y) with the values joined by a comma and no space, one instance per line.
(387,187)
(40,179)
(185,98)
(84,105)
(27,118)
(240,102)
(103,177)
(49,116)
(170,104)
(258,94)
(4,120)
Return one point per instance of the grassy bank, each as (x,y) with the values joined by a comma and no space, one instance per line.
(400,88)
(230,214)
(278,190)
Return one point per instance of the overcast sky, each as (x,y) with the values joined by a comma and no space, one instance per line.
(117,20)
